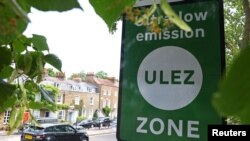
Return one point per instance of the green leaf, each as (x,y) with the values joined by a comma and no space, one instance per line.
(7,95)
(39,42)
(41,105)
(18,46)
(36,105)
(31,86)
(233,96)
(166,8)
(54,5)
(18,119)
(27,62)
(6,72)
(18,10)
(53,60)
(34,67)
(7,103)
(5,57)
(25,5)
(12,117)
(11,24)
(110,10)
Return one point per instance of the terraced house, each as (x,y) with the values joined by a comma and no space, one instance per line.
(81,98)
(108,92)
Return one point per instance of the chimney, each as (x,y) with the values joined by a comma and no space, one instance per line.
(76,79)
(90,77)
(60,75)
(113,80)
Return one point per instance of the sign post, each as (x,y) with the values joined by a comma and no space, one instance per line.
(167,79)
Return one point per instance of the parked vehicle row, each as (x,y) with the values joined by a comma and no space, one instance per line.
(99,122)
(53,132)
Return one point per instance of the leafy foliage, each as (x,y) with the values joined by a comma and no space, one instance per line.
(95,115)
(53,60)
(51,72)
(110,10)
(81,75)
(173,16)
(106,110)
(80,118)
(101,74)
(236,93)
(233,95)
(54,5)
(12,24)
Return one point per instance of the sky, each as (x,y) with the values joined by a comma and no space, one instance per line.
(80,39)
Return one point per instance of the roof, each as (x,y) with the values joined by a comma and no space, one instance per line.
(105,82)
(70,82)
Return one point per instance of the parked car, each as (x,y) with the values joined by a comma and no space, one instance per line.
(53,132)
(102,122)
(41,120)
(85,123)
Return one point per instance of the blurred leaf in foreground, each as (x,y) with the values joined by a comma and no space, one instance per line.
(233,96)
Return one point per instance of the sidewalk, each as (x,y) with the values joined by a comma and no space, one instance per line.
(103,130)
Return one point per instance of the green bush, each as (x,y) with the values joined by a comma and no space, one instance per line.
(80,118)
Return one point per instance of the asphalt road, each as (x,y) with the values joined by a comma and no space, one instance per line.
(104,137)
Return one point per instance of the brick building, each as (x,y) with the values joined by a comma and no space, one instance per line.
(108,90)
(82,98)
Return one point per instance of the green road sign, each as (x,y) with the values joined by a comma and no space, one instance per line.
(167,79)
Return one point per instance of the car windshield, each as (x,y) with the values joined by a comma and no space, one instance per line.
(34,129)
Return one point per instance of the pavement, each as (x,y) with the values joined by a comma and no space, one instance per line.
(103,130)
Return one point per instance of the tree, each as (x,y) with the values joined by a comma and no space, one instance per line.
(101,74)
(81,75)
(95,115)
(233,96)
(106,110)
(51,72)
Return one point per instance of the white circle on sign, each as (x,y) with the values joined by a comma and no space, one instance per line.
(169,78)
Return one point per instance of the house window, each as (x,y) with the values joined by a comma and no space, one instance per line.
(61,114)
(104,92)
(115,106)
(84,112)
(88,89)
(91,112)
(47,114)
(116,93)
(56,84)
(6,117)
(59,99)
(104,103)
(108,103)
(91,101)
(77,100)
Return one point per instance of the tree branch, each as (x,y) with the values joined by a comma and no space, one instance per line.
(246,31)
